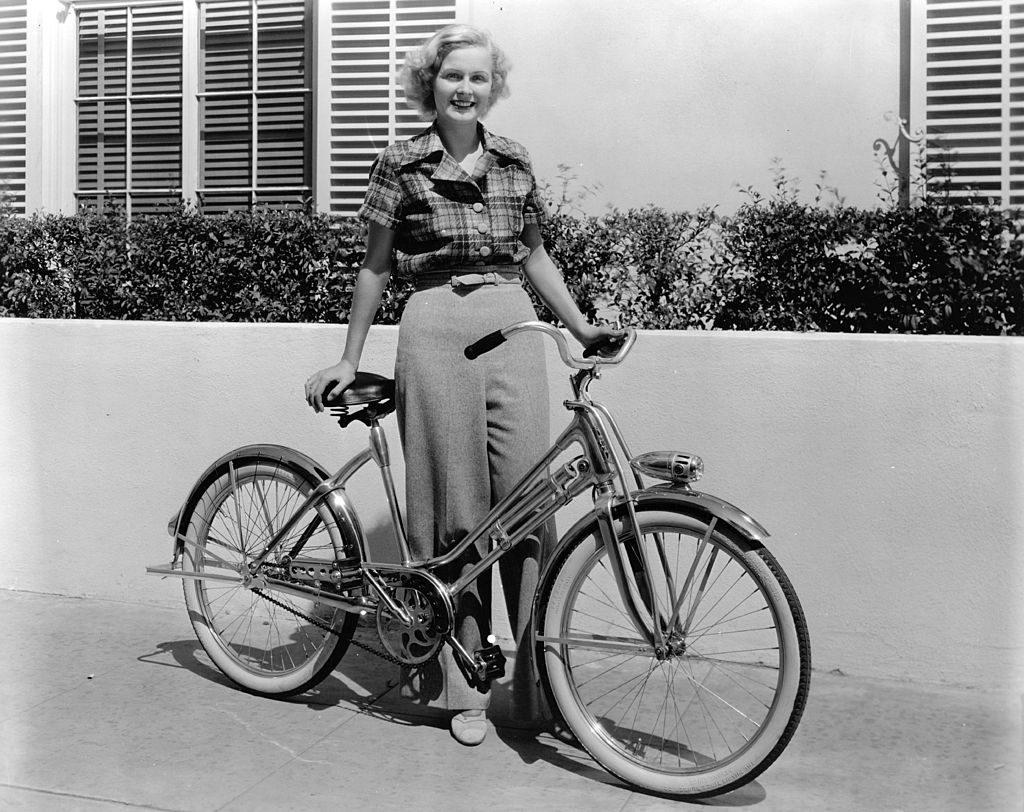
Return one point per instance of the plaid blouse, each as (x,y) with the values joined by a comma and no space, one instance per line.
(444,218)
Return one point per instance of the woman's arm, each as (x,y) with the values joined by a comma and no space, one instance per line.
(370,283)
(545,278)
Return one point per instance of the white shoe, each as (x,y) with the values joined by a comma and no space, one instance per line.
(469,727)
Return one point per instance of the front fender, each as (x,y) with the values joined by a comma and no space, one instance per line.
(338,503)
(704,505)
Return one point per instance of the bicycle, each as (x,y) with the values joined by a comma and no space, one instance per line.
(668,639)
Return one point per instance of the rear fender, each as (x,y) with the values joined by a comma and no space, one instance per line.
(337,502)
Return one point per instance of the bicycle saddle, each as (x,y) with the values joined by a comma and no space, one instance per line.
(366,388)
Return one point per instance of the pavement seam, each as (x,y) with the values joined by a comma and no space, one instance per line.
(96,798)
(297,756)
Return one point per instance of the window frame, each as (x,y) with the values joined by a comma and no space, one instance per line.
(254,94)
(190,189)
(128,191)
(52,115)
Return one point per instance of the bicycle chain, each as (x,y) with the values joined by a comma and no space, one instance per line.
(321,625)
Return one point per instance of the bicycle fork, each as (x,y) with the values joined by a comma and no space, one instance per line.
(628,554)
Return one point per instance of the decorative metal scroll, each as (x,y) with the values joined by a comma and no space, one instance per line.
(900,163)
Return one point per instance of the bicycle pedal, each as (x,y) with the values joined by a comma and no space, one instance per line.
(490,663)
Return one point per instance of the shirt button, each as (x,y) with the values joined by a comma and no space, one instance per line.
(485,250)
(481,227)
(478,206)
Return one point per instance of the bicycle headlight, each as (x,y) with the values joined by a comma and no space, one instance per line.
(673,466)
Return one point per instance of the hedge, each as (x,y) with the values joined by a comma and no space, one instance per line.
(776,264)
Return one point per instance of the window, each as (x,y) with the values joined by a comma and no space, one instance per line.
(129,106)
(219,102)
(252,95)
(974,99)
(255,102)
(13,30)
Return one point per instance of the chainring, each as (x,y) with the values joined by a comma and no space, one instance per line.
(419,642)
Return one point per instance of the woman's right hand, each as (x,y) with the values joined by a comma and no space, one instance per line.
(328,383)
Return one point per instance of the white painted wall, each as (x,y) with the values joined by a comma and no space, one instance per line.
(672,102)
(680,102)
(888,469)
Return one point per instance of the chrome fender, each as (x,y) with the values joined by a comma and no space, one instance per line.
(338,501)
(705,506)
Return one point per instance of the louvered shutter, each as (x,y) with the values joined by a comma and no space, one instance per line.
(13,28)
(974,108)
(1016,135)
(254,104)
(369,40)
(156,99)
(129,104)
(225,106)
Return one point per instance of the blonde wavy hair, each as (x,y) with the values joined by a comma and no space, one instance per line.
(424,63)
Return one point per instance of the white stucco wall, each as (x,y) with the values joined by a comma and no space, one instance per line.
(888,469)
(681,103)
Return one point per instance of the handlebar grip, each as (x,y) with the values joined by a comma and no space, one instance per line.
(485,344)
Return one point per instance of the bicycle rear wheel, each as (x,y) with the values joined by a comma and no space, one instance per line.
(269,647)
(714,708)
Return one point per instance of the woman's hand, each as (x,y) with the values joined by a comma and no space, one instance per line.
(327,383)
(590,334)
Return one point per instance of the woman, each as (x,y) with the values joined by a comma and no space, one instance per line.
(457,208)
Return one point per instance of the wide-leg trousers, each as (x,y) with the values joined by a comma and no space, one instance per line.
(470,430)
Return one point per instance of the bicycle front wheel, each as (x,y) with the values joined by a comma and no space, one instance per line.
(721,699)
(265,641)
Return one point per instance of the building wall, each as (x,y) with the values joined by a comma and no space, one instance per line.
(682,103)
(888,469)
(674,102)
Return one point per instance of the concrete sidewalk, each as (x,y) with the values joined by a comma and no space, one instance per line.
(108,706)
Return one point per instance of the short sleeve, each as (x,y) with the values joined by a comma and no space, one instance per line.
(535,212)
(383,201)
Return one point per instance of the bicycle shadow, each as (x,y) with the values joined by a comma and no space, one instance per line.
(371,686)
(362,686)
(561,750)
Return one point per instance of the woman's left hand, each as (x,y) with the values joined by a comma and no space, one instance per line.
(590,334)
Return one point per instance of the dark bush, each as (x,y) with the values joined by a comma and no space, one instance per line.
(930,269)
(774,265)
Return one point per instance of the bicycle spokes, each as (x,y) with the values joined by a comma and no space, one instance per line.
(705,692)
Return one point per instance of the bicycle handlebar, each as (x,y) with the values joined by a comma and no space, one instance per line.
(592,355)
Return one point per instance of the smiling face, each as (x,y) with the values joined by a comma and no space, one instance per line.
(462,89)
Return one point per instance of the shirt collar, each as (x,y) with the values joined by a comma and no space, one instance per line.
(428,143)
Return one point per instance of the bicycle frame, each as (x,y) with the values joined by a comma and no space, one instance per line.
(601,464)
